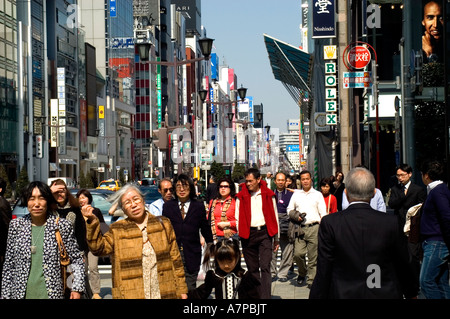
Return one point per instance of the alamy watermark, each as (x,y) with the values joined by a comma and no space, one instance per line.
(228,145)
(374,279)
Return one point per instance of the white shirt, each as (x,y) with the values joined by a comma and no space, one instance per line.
(432,185)
(156,207)
(377,201)
(310,202)
(406,186)
(257,216)
(186,206)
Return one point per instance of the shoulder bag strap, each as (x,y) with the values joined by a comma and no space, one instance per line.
(328,207)
(213,219)
(64,256)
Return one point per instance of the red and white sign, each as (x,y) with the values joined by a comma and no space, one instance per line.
(358,57)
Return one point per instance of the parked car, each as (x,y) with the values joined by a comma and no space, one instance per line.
(18,211)
(100,200)
(110,184)
(148,181)
(150,193)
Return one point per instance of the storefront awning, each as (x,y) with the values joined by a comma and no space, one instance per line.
(293,67)
(66,161)
(53,167)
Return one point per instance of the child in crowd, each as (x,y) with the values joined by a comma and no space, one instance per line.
(228,279)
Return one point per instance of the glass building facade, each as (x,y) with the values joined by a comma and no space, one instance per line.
(9,131)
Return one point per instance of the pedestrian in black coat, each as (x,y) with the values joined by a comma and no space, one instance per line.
(188,218)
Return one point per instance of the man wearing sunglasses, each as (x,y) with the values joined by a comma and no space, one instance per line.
(165,188)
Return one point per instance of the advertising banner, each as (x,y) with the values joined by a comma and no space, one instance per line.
(324,19)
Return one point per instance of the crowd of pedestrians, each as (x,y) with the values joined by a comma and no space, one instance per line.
(340,237)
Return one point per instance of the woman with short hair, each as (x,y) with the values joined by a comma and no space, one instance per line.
(146,262)
(32,268)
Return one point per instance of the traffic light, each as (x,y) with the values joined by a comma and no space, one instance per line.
(160,138)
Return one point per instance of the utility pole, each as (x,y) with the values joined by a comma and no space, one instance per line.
(344,113)
(408,103)
(447,85)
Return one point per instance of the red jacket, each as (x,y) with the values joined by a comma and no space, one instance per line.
(245,213)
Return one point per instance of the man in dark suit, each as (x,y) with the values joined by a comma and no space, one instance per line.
(188,218)
(404,195)
(360,254)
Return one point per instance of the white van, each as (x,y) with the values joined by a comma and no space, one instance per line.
(68,180)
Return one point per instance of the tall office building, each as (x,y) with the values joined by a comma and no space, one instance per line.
(108,27)
(11,133)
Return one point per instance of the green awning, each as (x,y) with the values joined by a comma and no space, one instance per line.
(293,67)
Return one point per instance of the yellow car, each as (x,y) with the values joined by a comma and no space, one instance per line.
(110,184)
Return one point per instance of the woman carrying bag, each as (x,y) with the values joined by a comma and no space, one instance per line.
(32,268)
(222,211)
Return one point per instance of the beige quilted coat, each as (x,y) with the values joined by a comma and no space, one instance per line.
(123,242)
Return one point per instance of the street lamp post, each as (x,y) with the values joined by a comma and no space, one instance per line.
(144,54)
(245,125)
(242,92)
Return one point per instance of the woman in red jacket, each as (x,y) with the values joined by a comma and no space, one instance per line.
(222,211)
(330,199)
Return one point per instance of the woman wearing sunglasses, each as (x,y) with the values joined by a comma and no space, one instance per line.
(221,211)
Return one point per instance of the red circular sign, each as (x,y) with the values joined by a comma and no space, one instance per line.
(358,57)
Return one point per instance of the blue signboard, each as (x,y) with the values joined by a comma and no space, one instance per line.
(292,148)
(324,19)
(214,66)
(112,8)
(250,108)
(211,98)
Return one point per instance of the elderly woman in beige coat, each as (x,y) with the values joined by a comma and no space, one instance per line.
(146,262)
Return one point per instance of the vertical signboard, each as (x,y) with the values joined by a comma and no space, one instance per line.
(112,8)
(62,136)
(214,66)
(54,123)
(61,92)
(250,109)
(330,56)
(158,92)
(304,26)
(39,146)
(83,126)
(324,19)
(101,120)
(211,98)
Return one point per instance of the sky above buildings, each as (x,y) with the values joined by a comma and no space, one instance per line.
(238,27)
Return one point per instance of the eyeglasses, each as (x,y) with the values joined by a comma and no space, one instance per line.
(181,186)
(129,203)
(165,190)
(224,186)
(402,175)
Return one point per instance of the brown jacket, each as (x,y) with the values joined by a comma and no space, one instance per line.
(124,243)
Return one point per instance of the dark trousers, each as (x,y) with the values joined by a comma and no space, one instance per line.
(190,277)
(257,251)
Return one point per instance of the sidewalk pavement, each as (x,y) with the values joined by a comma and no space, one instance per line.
(289,290)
